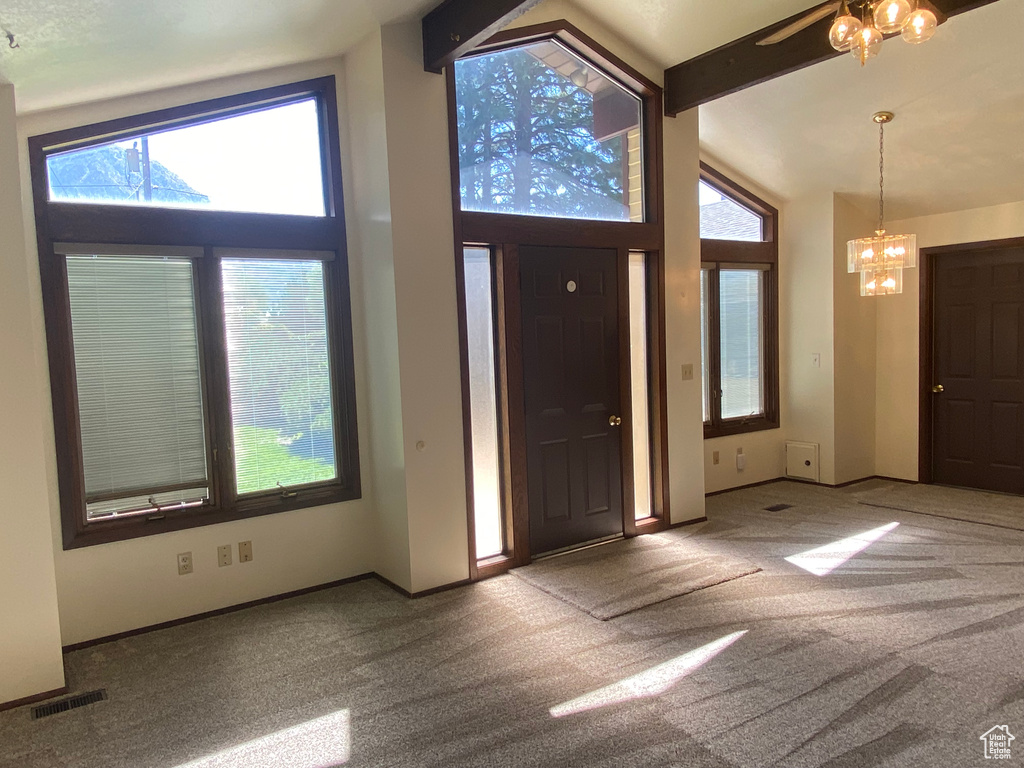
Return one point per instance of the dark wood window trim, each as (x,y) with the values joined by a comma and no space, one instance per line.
(58,222)
(504,233)
(717,252)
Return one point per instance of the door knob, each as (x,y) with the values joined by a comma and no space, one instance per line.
(938,388)
(614,421)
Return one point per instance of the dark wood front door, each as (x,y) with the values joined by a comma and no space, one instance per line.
(571,391)
(978,370)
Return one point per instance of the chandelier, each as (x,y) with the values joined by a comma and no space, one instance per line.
(915,20)
(882,258)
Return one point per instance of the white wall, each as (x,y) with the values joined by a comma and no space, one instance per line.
(368,214)
(116,587)
(806,323)
(896,414)
(854,352)
(428,331)
(30,658)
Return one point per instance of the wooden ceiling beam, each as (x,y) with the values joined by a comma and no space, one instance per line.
(743,63)
(457,26)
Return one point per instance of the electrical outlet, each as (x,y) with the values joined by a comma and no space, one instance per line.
(184,563)
(688,372)
(244,551)
(715,457)
(224,555)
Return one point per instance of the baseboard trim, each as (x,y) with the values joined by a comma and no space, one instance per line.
(33,699)
(748,485)
(424,593)
(688,522)
(872,477)
(211,614)
(811,482)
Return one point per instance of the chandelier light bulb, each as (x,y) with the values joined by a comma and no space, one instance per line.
(845,29)
(920,26)
(890,15)
(867,44)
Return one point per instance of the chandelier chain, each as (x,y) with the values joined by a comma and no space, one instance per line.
(881,175)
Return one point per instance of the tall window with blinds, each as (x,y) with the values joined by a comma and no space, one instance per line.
(739,308)
(203,374)
(275,322)
(139,382)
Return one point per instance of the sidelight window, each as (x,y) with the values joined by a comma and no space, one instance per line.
(485,441)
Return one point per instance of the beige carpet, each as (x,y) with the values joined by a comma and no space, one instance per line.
(617,578)
(995,509)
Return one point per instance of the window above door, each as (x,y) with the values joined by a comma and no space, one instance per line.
(548,128)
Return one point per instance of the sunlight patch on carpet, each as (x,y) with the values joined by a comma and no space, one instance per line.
(652,682)
(322,743)
(823,560)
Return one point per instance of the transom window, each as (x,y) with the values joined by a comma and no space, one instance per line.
(739,308)
(262,161)
(543,132)
(206,371)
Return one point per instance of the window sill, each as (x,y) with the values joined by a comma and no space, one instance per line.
(739,427)
(109,531)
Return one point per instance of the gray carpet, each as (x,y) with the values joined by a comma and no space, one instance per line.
(995,509)
(622,576)
(902,656)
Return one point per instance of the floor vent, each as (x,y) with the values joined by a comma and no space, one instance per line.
(778,507)
(72,702)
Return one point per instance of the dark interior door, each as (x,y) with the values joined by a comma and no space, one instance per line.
(978,353)
(571,391)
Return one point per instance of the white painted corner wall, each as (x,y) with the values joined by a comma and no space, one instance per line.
(368,220)
(854,351)
(30,640)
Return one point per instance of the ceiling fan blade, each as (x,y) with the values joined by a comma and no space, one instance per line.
(800,24)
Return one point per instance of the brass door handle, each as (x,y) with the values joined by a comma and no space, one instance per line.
(938,388)
(614,421)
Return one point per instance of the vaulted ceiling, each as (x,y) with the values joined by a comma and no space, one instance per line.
(957,141)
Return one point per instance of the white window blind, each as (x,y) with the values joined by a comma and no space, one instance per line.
(279,372)
(139,388)
(740,319)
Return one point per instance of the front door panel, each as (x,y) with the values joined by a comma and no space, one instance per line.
(571,389)
(978,417)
